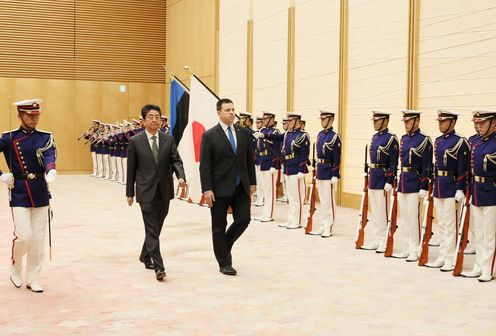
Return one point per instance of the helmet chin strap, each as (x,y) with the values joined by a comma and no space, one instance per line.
(328,121)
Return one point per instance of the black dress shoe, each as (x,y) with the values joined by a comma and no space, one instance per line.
(148,263)
(227,270)
(160,275)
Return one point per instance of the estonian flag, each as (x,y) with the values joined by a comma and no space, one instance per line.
(179,107)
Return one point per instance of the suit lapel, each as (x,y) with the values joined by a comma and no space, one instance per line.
(222,135)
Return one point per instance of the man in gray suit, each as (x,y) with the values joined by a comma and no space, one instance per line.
(152,157)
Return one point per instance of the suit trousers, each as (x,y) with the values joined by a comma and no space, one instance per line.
(154,214)
(223,240)
(29,230)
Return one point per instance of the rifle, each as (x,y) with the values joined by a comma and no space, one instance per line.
(364,206)
(462,240)
(313,195)
(84,133)
(427,223)
(392,219)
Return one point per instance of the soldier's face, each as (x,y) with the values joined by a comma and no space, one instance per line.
(152,121)
(486,127)
(227,113)
(444,125)
(476,127)
(259,124)
(266,121)
(29,121)
(326,122)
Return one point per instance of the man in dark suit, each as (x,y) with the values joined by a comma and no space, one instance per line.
(152,157)
(227,173)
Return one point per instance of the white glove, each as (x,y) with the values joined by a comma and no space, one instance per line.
(422,193)
(272,170)
(300,176)
(50,176)
(334,180)
(257,135)
(388,187)
(7,178)
(459,195)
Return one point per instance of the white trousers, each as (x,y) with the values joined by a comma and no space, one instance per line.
(296,195)
(100,167)
(409,222)
(29,239)
(124,170)
(378,200)
(485,236)
(269,193)
(260,186)
(447,213)
(118,168)
(106,166)
(95,163)
(327,197)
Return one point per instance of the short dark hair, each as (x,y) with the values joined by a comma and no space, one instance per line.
(147,108)
(223,101)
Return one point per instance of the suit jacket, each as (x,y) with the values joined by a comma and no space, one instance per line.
(149,174)
(220,166)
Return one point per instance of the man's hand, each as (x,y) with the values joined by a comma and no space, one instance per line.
(300,176)
(388,187)
(7,178)
(181,182)
(272,170)
(459,196)
(209,198)
(253,189)
(422,193)
(257,135)
(130,201)
(334,180)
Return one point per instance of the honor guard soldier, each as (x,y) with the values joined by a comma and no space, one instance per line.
(269,151)
(284,197)
(416,160)
(90,135)
(383,152)
(30,154)
(328,150)
(450,162)
(470,249)
(258,196)
(483,169)
(294,154)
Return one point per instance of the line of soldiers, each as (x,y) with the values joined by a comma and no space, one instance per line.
(461,168)
(283,158)
(108,146)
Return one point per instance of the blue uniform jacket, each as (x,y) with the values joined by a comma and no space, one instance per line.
(415,156)
(328,149)
(450,156)
(269,148)
(483,165)
(383,152)
(295,151)
(29,152)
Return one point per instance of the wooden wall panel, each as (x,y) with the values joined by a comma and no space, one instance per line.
(190,31)
(88,106)
(118,40)
(37,38)
(141,94)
